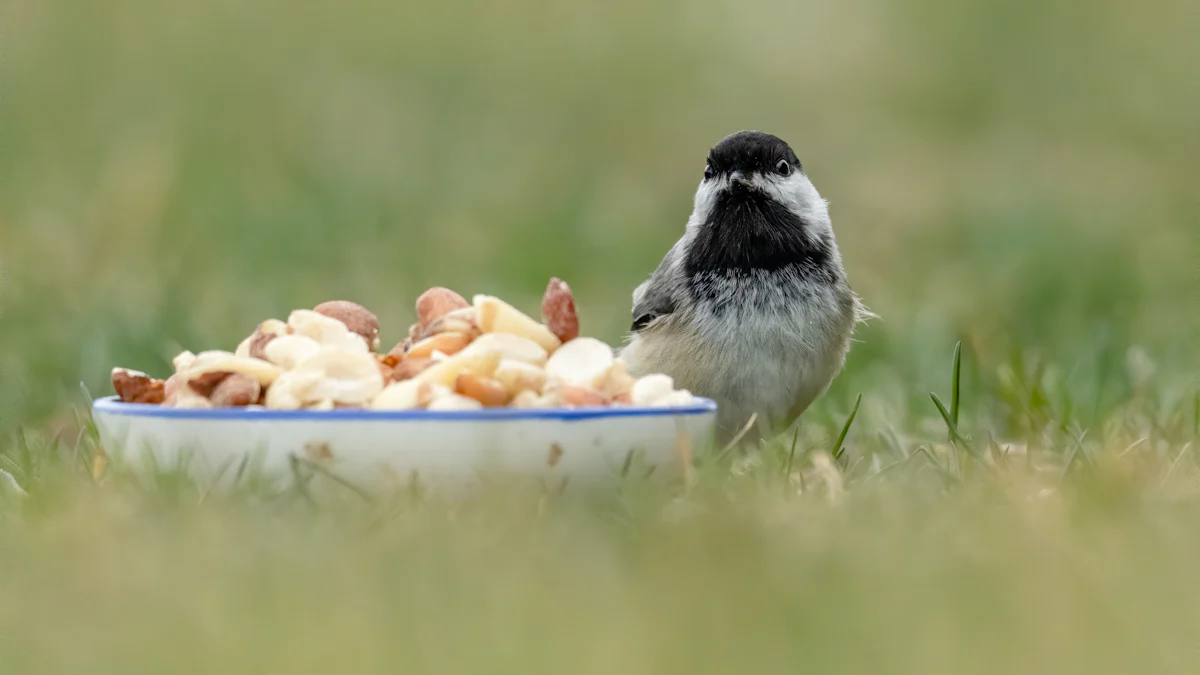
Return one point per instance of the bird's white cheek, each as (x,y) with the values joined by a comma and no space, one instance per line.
(706,197)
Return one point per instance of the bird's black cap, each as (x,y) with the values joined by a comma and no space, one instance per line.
(750,152)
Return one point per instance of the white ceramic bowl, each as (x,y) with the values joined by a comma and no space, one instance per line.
(383,449)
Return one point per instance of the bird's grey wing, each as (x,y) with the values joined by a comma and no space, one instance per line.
(655,302)
(656,297)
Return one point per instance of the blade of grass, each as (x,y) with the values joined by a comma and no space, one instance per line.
(1070,463)
(212,484)
(737,438)
(837,447)
(1175,463)
(24,456)
(955,435)
(628,463)
(1083,452)
(241,470)
(318,468)
(302,480)
(1132,445)
(787,468)
(935,463)
(954,391)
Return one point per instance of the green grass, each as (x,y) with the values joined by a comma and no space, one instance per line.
(1003,479)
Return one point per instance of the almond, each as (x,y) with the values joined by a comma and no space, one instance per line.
(205,384)
(488,391)
(357,318)
(446,343)
(134,386)
(236,390)
(437,302)
(558,310)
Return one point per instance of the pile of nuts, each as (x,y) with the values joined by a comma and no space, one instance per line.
(457,356)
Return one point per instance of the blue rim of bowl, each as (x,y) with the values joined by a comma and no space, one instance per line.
(111,405)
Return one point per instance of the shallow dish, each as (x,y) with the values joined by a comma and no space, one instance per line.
(393,448)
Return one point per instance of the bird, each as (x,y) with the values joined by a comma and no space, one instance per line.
(751,307)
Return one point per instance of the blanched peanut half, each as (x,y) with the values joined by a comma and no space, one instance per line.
(183,361)
(517,376)
(348,378)
(446,372)
(407,395)
(446,343)
(617,382)
(465,321)
(292,390)
(180,395)
(326,330)
(526,399)
(486,390)
(582,362)
(263,334)
(288,351)
(455,402)
(512,347)
(219,361)
(497,316)
(651,388)
(679,397)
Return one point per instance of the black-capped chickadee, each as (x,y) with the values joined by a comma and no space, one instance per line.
(751,307)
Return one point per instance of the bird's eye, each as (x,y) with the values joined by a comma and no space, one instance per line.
(708,171)
(783,168)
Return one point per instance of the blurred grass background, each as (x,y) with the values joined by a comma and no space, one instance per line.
(1017,175)
(1020,176)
